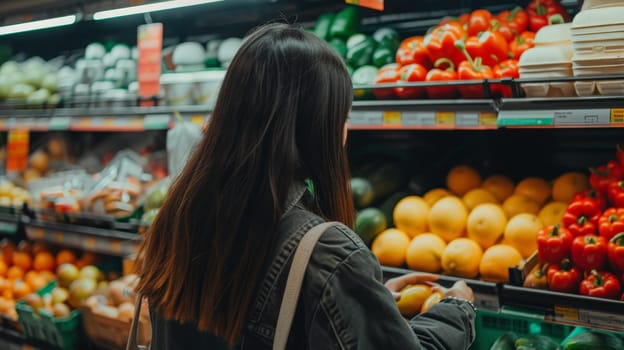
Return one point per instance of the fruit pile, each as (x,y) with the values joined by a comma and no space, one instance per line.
(585,254)
(417,298)
(116,300)
(12,196)
(511,341)
(472,227)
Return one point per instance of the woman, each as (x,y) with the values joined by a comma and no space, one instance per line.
(218,254)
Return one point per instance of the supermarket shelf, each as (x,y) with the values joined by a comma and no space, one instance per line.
(105,241)
(570,309)
(100,118)
(486,293)
(9,223)
(14,339)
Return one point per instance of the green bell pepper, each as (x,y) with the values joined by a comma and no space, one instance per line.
(360,50)
(323,24)
(387,37)
(340,46)
(345,23)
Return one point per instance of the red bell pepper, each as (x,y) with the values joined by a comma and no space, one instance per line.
(440,43)
(563,277)
(540,11)
(503,28)
(615,192)
(619,152)
(611,223)
(604,175)
(409,74)
(615,252)
(480,21)
(589,252)
(505,69)
(490,46)
(472,70)
(517,18)
(600,285)
(413,51)
(592,194)
(387,74)
(438,75)
(464,19)
(581,217)
(553,244)
(521,43)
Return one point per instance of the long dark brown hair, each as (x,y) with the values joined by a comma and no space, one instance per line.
(278,120)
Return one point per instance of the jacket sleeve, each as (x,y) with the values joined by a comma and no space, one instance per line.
(357,311)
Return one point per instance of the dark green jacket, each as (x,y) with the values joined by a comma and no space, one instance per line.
(343,302)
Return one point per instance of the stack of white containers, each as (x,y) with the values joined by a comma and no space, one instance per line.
(598,43)
(550,58)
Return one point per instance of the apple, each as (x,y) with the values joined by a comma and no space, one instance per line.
(66,274)
(59,295)
(80,290)
(91,272)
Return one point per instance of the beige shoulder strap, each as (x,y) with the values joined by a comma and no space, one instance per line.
(293,285)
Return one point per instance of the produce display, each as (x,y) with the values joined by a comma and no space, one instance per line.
(584,340)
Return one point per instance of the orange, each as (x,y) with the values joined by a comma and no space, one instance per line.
(486,224)
(8,293)
(65,256)
(23,260)
(521,233)
(433,299)
(518,204)
(44,261)
(410,215)
(478,196)
(36,282)
(461,258)
(7,247)
(496,262)
(21,289)
(552,213)
(447,218)
(434,195)
(15,273)
(462,179)
(412,299)
(4,284)
(47,275)
(569,184)
(3,268)
(390,247)
(535,188)
(39,247)
(425,253)
(500,186)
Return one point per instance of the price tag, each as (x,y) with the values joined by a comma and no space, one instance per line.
(24,123)
(156,121)
(487,118)
(115,247)
(617,115)
(467,119)
(8,228)
(583,117)
(566,313)
(487,302)
(419,118)
(35,233)
(59,123)
(198,119)
(392,118)
(445,118)
(41,123)
(372,4)
(366,118)
(603,319)
(57,237)
(89,243)
(525,118)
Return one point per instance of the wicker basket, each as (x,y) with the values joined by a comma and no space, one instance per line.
(110,332)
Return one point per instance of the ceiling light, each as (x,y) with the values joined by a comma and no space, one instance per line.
(35,25)
(158,6)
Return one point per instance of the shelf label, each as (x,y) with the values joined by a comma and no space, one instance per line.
(617,115)
(115,247)
(89,243)
(8,228)
(392,118)
(582,117)
(419,118)
(566,313)
(198,119)
(366,118)
(603,319)
(156,121)
(525,118)
(467,119)
(486,301)
(17,150)
(59,123)
(372,4)
(57,237)
(487,118)
(445,118)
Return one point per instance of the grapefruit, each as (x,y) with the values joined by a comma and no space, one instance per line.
(478,196)
(410,215)
(434,195)
(433,299)
(462,179)
(552,213)
(521,233)
(496,262)
(461,258)
(424,253)
(412,299)
(447,218)
(486,223)
(535,188)
(500,186)
(518,204)
(390,247)
(569,184)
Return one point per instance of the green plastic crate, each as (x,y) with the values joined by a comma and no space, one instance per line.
(491,325)
(64,333)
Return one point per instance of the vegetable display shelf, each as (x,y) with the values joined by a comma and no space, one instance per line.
(100,118)
(9,222)
(104,241)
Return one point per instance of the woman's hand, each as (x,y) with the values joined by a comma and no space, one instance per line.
(395,285)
